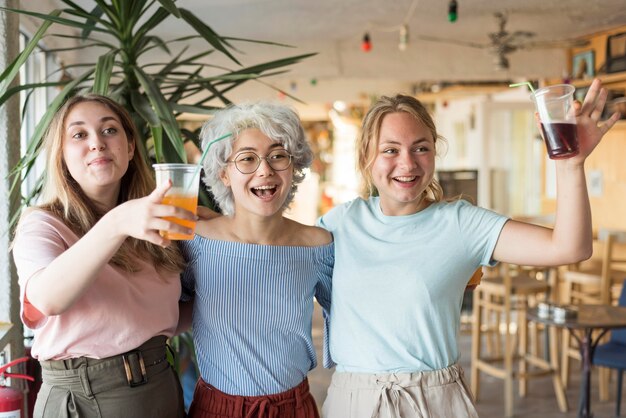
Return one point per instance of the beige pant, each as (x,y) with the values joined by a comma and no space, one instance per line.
(433,394)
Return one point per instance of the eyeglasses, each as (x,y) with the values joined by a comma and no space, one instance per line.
(248,162)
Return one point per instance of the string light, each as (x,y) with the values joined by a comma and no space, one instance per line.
(452,11)
(366,43)
(403,29)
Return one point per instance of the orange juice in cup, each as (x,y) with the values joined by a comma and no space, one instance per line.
(182,201)
(183,194)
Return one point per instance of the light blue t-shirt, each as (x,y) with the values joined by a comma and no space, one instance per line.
(398,282)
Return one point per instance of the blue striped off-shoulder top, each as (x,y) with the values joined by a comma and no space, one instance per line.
(253,310)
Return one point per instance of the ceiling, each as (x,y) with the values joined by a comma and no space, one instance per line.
(335,28)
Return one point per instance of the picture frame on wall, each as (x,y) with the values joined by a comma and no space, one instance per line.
(616,53)
(583,65)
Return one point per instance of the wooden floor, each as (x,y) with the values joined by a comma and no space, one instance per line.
(540,401)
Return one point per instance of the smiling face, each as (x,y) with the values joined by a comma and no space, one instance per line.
(404,165)
(96,150)
(264,191)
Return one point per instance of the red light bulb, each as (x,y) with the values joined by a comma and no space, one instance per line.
(366,43)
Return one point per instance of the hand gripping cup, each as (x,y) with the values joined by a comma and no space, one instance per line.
(555,105)
(184,193)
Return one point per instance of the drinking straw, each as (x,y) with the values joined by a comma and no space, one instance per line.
(525,83)
(204,154)
(206,151)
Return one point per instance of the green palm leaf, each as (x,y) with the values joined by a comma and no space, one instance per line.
(52,18)
(9,74)
(170,7)
(207,33)
(155,91)
(104,69)
(164,112)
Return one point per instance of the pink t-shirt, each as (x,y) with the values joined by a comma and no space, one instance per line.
(118,313)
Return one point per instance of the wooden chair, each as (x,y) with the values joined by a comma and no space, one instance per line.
(594,282)
(509,295)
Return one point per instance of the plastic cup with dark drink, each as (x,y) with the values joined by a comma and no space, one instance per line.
(555,105)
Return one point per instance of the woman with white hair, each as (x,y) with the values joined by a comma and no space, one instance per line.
(252,274)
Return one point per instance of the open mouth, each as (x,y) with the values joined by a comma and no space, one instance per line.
(404,179)
(264,191)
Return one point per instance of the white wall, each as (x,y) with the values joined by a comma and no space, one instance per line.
(462,123)
(479,134)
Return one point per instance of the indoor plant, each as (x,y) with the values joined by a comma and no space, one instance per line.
(154,92)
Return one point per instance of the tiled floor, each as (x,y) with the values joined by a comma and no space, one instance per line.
(540,401)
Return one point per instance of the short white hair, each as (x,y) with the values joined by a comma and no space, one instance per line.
(277,121)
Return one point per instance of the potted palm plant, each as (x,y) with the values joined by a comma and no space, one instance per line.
(154,92)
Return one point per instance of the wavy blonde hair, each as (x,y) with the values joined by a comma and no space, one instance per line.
(63,196)
(367,141)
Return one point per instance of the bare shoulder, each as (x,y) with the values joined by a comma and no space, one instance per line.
(309,236)
(212,228)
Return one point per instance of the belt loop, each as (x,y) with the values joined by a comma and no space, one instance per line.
(130,368)
(84,381)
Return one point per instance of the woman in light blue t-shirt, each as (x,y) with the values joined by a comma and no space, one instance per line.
(402,260)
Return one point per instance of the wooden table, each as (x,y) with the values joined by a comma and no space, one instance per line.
(589,319)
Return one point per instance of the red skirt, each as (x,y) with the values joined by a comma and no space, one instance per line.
(209,402)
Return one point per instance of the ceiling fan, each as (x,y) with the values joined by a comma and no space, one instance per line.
(502,43)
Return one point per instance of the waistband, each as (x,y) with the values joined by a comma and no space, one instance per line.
(208,397)
(394,389)
(428,378)
(133,368)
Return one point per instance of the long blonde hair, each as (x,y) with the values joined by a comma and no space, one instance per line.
(63,196)
(367,142)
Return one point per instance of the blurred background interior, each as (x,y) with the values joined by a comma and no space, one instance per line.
(457,56)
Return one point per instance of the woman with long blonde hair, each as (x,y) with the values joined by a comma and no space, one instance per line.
(402,258)
(99,285)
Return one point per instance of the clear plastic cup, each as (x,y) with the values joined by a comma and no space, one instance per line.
(183,193)
(555,106)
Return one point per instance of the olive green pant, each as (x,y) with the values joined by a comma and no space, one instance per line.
(138,384)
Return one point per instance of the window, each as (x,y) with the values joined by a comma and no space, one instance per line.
(33,103)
